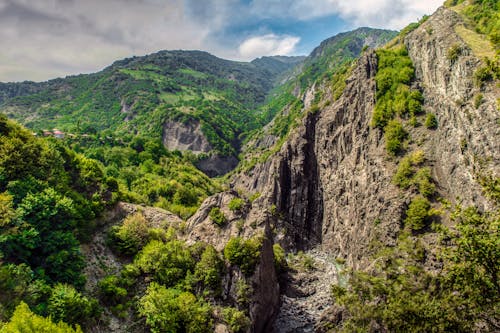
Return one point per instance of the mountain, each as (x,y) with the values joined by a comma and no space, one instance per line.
(368,202)
(190,99)
(380,181)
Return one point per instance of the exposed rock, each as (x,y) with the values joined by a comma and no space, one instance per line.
(465,144)
(185,136)
(101,261)
(216,165)
(265,301)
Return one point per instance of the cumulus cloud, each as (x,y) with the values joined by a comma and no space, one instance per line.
(391,14)
(48,38)
(267,45)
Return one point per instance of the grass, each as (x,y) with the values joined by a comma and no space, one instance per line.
(480,45)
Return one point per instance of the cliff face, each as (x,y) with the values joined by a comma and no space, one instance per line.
(329,186)
(466,144)
(331,180)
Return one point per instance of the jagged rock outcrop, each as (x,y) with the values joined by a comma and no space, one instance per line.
(331,180)
(465,145)
(185,136)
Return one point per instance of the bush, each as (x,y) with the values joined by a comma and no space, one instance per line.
(431,121)
(478,100)
(454,52)
(236,204)
(243,253)
(171,310)
(131,236)
(70,306)
(167,262)
(404,173)
(417,213)
(110,289)
(424,183)
(25,321)
(208,270)
(279,257)
(236,320)
(217,216)
(395,134)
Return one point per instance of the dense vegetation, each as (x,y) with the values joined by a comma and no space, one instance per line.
(137,95)
(402,295)
(49,196)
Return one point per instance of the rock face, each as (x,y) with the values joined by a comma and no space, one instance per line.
(185,136)
(466,143)
(328,189)
(330,181)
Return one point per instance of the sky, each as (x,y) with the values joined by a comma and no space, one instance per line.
(45,39)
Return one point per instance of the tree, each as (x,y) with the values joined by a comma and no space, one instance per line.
(171,310)
(25,321)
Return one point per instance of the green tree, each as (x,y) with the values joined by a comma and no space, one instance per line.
(418,213)
(25,321)
(171,310)
(68,305)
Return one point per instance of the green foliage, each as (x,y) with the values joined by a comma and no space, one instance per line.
(168,262)
(485,17)
(395,134)
(208,270)
(279,257)
(110,289)
(399,295)
(25,321)
(478,100)
(394,97)
(424,183)
(489,71)
(131,236)
(236,320)
(431,121)
(410,173)
(217,216)
(68,305)
(236,204)
(243,253)
(170,310)
(417,214)
(454,52)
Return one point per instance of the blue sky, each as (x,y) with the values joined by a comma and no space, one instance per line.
(45,39)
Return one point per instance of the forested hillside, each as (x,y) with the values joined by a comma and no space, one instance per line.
(366,198)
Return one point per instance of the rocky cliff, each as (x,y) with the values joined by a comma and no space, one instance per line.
(329,185)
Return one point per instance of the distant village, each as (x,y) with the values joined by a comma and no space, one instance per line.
(58,134)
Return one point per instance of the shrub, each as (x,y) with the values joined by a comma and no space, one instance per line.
(431,121)
(424,183)
(417,213)
(394,136)
(131,236)
(110,289)
(236,204)
(482,75)
(70,306)
(478,100)
(243,253)
(279,257)
(217,216)
(25,321)
(167,262)
(454,52)
(404,173)
(236,320)
(171,310)
(209,270)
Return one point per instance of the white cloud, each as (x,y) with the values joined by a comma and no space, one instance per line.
(48,38)
(390,14)
(267,45)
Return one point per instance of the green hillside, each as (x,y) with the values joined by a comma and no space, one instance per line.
(136,95)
